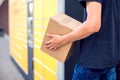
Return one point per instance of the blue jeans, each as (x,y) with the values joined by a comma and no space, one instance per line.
(82,73)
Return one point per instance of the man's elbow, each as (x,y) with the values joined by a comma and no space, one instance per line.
(95,27)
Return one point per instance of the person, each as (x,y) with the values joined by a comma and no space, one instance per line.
(99,36)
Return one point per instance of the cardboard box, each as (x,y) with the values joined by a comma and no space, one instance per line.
(60,24)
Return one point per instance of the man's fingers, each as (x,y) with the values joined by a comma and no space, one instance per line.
(48,42)
(47,46)
(50,47)
(50,35)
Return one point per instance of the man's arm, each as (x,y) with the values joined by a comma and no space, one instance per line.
(90,26)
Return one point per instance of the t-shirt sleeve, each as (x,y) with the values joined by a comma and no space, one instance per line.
(83,2)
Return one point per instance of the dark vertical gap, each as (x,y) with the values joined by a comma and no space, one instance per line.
(75,10)
(30,40)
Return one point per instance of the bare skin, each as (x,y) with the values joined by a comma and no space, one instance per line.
(90,26)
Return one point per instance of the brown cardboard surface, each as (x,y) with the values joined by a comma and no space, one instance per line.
(60,24)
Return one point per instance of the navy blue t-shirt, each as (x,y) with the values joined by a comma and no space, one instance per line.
(102,49)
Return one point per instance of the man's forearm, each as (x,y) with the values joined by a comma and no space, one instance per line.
(83,31)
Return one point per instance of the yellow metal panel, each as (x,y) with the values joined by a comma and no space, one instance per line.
(48,75)
(50,8)
(46,22)
(39,29)
(18,38)
(37,44)
(38,68)
(36,76)
(50,62)
(43,10)
(38,54)
(38,9)
(38,22)
(39,36)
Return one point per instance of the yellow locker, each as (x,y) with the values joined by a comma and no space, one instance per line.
(18,32)
(45,67)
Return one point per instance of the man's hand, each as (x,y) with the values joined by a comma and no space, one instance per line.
(55,42)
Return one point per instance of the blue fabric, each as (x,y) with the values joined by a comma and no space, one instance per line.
(82,73)
(83,2)
(102,49)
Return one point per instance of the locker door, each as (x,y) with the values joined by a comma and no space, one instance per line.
(44,65)
(18,33)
